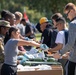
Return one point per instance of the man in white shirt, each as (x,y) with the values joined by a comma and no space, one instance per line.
(60,39)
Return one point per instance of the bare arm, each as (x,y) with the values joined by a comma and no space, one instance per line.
(28,34)
(27,43)
(58,47)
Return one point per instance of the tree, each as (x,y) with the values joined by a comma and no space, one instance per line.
(42,7)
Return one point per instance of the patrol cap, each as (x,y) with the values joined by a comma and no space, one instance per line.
(4,23)
(43,20)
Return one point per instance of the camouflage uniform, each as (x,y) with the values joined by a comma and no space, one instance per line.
(1,52)
(4,24)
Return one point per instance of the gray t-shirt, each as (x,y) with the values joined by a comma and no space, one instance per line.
(10,52)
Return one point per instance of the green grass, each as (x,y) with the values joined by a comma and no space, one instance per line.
(38,36)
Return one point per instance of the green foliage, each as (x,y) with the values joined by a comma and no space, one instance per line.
(33,15)
(38,36)
(36,8)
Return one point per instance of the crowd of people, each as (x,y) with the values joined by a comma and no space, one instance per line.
(17,36)
(14,36)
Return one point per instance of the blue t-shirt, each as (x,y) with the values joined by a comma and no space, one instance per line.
(10,52)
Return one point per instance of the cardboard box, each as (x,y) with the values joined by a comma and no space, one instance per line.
(56,70)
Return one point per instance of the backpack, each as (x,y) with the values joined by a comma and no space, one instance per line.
(66,36)
(53,38)
(53,34)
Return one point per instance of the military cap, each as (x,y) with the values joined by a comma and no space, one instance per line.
(4,23)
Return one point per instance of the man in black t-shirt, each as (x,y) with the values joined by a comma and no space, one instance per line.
(28,29)
(46,29)
(28,32)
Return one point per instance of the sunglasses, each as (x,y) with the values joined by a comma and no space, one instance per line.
(67,13)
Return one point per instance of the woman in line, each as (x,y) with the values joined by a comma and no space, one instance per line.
(11,50)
